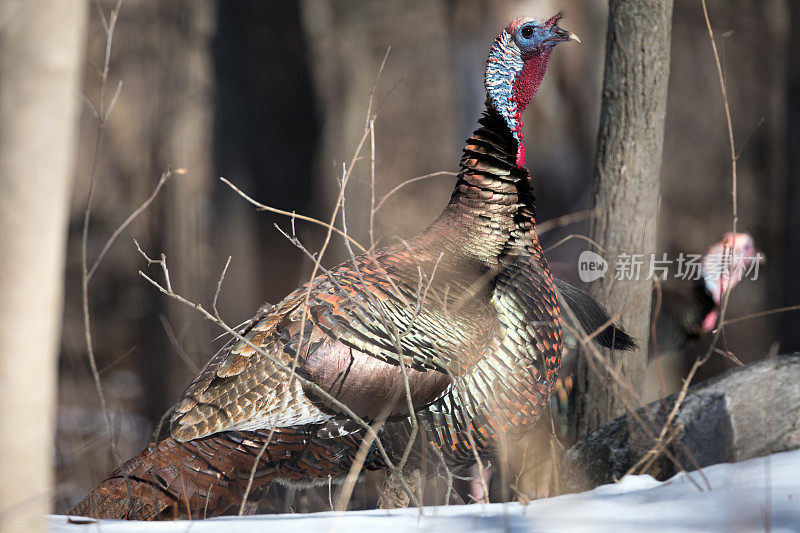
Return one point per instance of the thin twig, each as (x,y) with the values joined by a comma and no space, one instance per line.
(144,205)
(296,242)
(162,262)
(114,98)
(317,264)
(747,138)
(101,114)
(409,182)
(565,220)
(730,321)
(311,385)
(618,380)
(358,463)
(257,460)
(390,327)
(575,236)
(728,121)
(291,214)
(102,16)
(173,339)
(119,359)
(372,185)
(219,285)
(448,474)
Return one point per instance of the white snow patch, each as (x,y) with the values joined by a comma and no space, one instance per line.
(755,495)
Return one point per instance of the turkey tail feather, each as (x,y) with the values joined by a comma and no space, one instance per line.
(209,476)
(592,316)
(176,479)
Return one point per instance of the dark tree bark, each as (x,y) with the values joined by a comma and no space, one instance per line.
(790,333)
(265,134)
(626,191)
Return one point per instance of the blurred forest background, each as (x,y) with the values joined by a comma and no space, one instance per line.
(273,96)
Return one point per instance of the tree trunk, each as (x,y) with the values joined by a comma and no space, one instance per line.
(41,45)
(184,137)
(393,495)
(626,192)
(790,333)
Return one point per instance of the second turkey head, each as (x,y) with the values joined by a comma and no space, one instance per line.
(724,265)
(515,68)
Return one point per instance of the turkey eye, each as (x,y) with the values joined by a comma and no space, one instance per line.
(527,32)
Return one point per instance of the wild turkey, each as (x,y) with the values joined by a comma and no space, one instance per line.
(687,312)
(481,352)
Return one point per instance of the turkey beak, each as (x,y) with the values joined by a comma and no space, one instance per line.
(561,36)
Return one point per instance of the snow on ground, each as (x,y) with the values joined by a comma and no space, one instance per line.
(757,495)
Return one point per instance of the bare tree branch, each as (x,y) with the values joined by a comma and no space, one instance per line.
(101,114)
(138,211)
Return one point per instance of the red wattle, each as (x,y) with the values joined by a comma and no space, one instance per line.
(710,321)
(529,79)
(525,86)
(520,154)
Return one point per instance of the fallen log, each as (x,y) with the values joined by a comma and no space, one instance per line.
(745,413)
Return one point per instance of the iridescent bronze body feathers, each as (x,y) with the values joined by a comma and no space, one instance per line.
(469,304)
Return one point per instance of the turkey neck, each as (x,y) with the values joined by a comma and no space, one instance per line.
(699,306)
(492,200)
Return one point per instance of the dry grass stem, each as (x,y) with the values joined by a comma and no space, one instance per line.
(576,236)
(173,339)
(329,226)
(316,389)
(389,194)
(138,211)
(101,114)
(668,433)
(566,220)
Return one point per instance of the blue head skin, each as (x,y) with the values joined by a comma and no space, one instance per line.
(515,68)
